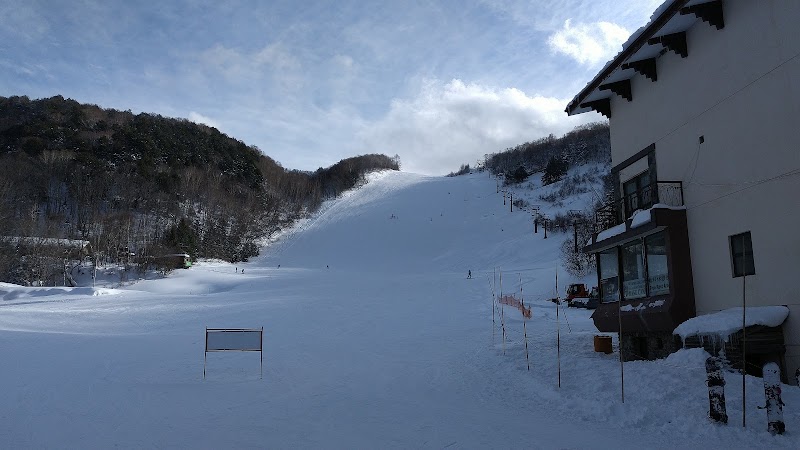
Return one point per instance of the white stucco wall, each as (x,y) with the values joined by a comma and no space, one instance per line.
(739,88)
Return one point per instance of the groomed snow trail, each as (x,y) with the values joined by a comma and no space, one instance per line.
(374,338)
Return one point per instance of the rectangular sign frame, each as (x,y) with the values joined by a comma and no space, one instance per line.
(225,340)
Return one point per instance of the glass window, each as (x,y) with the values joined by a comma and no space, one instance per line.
(609,276)
(742,255)
(638,193)
(657,269)
(633,273)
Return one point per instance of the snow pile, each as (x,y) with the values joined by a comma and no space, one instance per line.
(611,232)
(10,292)
(643,306)
(640,217)
(728,321)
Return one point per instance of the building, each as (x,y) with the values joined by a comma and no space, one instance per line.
(704,109)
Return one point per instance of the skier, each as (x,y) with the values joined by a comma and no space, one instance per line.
(469,273)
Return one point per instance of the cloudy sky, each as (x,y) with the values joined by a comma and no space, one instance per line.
(438,82)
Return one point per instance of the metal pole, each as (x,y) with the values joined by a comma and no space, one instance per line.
(524,322)
(621,365)
(558,343)
(261,375)
(744,341)
(205,355)
(558,330)
(502,313)
(494,306)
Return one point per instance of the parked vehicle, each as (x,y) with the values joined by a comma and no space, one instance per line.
(579,297)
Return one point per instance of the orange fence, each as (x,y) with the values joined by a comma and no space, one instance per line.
(510,300)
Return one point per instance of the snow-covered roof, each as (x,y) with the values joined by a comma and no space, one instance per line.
(643,46)
(611,232)
(728,321)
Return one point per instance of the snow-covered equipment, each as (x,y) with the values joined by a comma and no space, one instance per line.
(716,390)
(774,406)
(589,302)
(576,290)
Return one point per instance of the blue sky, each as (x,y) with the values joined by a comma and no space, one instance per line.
(439,83)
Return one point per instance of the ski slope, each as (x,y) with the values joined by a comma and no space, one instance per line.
(374,338)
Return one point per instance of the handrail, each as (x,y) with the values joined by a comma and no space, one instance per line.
(617,211)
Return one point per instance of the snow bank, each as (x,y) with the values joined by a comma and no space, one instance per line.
(611,232)
(640,217)
(728,321)
(10,291)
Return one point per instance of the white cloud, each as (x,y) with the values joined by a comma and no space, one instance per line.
(446,125)
(199,118)
(589,43)
(272,63)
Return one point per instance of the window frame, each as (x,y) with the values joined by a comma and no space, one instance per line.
(638,195)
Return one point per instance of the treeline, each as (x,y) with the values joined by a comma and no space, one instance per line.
(584,144)
(146,184)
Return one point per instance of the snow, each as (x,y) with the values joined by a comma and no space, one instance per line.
(728,321)
(640,217)
(373,338)
(611,232)
(642,306)
(672,207)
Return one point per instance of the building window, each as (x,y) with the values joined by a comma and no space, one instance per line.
(638,193)
(609,276)
(657,268)
(633,271)
(742,255)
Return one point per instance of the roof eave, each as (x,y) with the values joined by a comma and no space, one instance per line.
(626,53)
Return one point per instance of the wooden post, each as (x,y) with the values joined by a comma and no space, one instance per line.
(511,201)
(716,390)
(772,390)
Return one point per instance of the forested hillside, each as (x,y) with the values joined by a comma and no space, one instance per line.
(588,143)
(144,184)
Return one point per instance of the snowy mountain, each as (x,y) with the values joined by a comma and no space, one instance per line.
(374,337)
